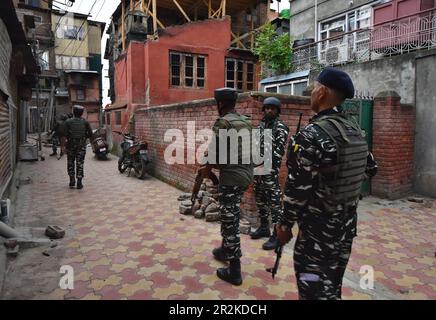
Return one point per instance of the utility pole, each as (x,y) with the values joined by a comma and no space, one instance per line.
(316,21)
(38,109)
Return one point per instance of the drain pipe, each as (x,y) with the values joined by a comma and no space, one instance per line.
(7,232)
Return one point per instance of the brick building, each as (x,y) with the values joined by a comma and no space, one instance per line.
(163,53)
(17,76)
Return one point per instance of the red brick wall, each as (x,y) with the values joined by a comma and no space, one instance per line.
(152,123)
(393,147)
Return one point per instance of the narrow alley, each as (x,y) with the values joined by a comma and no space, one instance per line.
(126,240)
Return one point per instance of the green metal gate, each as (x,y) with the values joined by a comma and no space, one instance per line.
(362,110)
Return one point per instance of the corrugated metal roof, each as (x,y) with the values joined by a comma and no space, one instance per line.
(286,77)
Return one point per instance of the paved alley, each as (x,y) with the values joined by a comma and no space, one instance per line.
(126,240)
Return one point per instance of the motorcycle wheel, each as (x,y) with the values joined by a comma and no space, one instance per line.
(121,166)
(140,169)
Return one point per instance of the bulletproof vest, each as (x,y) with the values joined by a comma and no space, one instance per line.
(77,128)
(61,129)
(343,180)
(239,122)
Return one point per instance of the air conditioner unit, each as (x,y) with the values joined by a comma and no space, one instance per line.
(337,55)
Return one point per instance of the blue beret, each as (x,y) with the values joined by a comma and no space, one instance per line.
(337,80)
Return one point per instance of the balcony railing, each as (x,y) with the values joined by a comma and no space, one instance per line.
(414,32)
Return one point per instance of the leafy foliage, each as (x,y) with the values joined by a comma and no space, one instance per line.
(274,51)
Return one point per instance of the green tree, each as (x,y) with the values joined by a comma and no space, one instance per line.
(274,51)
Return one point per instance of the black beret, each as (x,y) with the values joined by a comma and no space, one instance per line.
(226,94)
(337,80)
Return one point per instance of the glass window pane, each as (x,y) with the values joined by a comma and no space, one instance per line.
(75,63)
(175,59)
(189,61)
(58,62)
(299,88)
(200,72)
(175,81)
(286,89)
(66,62)
(271,89)
(200,62)
(249,86)
(189,82)
(230,84)
(200,83)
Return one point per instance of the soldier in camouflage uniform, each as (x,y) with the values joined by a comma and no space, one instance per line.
(58,132)
(234,179)
(266,187)
(78,131)
(327,162)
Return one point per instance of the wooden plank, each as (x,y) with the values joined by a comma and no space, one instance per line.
(154,17)
(181,10)
(249,33)
(123,38)
(223,5)
(158,21)
(238,41)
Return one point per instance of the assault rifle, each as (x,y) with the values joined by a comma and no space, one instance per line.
(279,248)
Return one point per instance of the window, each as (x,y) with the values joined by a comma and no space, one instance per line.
(239,74)
(118,118)
(359,18)
(45,61)
(187,70)
(108,118)
(71,32)
(33,3)
(67,63)
(295,88)
(81,94)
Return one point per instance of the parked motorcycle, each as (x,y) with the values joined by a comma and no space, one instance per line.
(134,155)
(99,145)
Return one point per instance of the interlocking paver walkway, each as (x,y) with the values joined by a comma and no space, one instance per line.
(126,240)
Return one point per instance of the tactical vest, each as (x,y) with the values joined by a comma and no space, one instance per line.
(77,129)
(343,181)
(239,122)
(61,129)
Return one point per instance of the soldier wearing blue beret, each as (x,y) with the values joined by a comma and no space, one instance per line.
(327,162)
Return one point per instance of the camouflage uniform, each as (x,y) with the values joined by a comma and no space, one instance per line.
(266,187)
(59,131)
(326,229)
(78,130)
(234,180)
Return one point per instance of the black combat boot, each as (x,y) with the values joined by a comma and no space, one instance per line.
(272,242)
(232,274)
(262,231)
(79,183)
(72,182)
(219,253)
